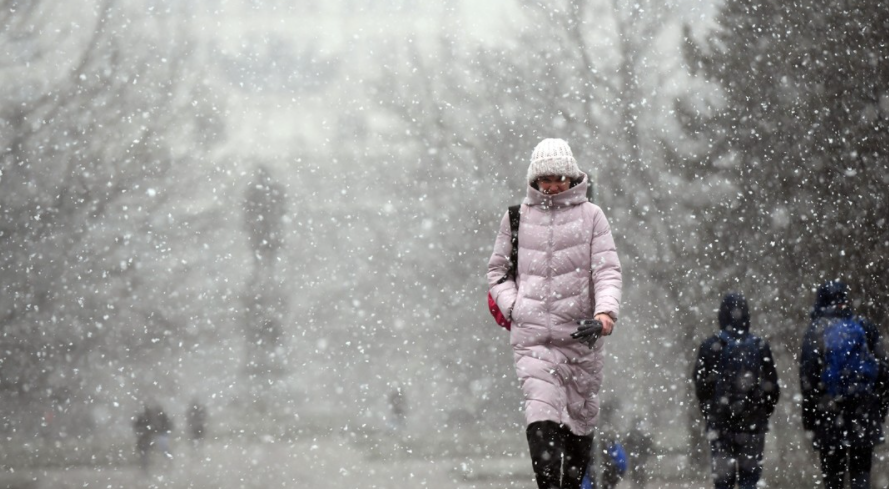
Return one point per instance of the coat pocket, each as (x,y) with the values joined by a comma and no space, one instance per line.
(582,394)
(518,313)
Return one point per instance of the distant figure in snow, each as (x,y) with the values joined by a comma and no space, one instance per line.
(196,417)
(398,408)
(162,427)
(567,271)
(639,445)
(152,428)
(736,383)
(844,375)
(142,428)
(614,459)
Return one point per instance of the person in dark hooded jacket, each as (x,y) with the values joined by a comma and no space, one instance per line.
(844,429)
(736,383)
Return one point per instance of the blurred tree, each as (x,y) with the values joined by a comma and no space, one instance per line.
(97,106)
(264,212)
(799,128)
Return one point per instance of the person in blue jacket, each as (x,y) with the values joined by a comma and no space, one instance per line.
(844,425)
(736,383)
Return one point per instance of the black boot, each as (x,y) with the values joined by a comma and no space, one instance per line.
(545,442)
(577,458)
(549,443)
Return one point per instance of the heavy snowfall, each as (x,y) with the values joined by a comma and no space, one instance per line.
(272,221)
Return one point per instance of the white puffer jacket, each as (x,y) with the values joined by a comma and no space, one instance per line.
(568,269)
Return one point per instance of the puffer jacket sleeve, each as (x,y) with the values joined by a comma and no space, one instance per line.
(503,289)
(606,272)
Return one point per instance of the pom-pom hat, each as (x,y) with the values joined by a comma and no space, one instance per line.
(553,157)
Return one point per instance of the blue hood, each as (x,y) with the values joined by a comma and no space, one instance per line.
(734,314)
(832,300)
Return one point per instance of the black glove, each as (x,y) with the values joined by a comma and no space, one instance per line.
(588,332)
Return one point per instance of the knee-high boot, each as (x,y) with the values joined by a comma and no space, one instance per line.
(545,442)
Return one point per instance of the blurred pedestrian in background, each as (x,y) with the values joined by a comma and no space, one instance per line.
(397,408)
(844,376)
(736,383)
(152,427)
(614,458)
(196,418)
(162,428)
(142,428)
(639,445)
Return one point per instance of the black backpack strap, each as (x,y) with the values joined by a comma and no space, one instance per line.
(515,217)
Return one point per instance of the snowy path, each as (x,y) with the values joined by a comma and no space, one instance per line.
(333,462)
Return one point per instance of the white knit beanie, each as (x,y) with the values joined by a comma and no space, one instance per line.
(553,157)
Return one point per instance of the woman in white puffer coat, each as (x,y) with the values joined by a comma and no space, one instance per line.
(567,270)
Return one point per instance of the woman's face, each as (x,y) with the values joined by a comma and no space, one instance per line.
(553,184)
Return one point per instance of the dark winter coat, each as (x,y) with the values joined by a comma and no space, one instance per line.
(640,447)
(835,421)
(159,422)
(734,318)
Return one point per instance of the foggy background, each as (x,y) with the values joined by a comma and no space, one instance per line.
(284,210)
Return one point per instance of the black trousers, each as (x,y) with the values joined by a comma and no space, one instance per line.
(737,458)
(837,461)
(550,442)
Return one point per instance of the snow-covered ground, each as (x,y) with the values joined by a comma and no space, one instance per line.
(344,458)
(336,461)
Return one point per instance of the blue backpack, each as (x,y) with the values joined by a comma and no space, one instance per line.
(850,367)
(738,386)
(618,456)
